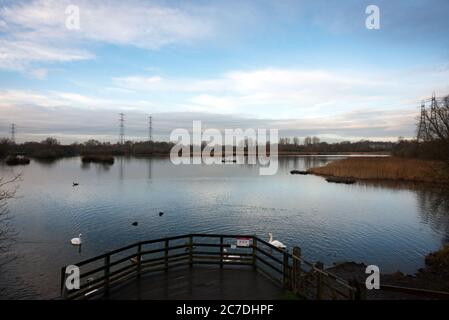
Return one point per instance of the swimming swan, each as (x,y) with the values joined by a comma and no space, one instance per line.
(276,243)
(76,241)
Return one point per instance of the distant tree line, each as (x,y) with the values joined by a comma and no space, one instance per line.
(51,148)
(314,145)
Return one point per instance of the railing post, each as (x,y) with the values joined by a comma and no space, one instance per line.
(190,251)
(221,251)
(107,261)
(254,253)
(166,256)
(286,269)
(63,287)
(139,259)
(360,289)
(319,279)
(296,270)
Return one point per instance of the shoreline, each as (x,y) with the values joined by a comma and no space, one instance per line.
(433,276)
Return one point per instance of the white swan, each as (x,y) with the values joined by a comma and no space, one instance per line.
(276,243)
(76,241)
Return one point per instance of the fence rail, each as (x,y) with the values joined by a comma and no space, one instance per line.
(305,279)
(101,273)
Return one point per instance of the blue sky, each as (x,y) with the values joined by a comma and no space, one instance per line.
(304,67)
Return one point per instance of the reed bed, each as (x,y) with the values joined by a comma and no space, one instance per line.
(385,168)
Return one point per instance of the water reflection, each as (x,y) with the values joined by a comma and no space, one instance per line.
(432,200)
(121,168)
(435,210)
(8,259)
(7,236)
(85,165)
(46,162)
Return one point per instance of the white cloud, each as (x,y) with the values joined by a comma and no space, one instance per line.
(35,31)
(158,83)
(140,23)
(293,93)
(73,124)
(55,99)
(72,114)
(20,56)
(40,74)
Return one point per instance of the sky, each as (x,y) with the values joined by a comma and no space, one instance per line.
(307,68)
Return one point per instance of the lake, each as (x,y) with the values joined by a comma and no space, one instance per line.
(392,225)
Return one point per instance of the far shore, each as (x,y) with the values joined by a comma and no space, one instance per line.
(386,168)
(52,156)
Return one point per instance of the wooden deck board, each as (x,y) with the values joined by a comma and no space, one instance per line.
(200,283)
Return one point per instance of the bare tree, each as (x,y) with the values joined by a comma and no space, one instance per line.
(437,119)
(436,128)
(296,141)
(307,141)
(8,188)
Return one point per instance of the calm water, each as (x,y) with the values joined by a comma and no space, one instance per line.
(393,226)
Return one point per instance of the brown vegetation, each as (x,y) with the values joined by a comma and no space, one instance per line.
(438,262)
(385,168)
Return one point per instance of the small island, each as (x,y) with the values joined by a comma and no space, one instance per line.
(17,161)
(103,159)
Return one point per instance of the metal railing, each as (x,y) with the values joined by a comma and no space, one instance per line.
(101,273)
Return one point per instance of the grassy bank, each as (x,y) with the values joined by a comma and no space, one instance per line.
(386,168)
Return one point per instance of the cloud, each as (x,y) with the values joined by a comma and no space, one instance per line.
(35,31)
(40,74)
(159,83)
(59,114)
(293,93)
(140,23)
(328,103)
(20,55)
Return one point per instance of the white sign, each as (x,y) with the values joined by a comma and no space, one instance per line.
(242,242)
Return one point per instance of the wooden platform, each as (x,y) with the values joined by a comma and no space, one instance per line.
(200,283)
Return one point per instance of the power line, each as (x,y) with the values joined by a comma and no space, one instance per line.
(122,128)
(13,133)
(150,128)
(429,115)
(422,128)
